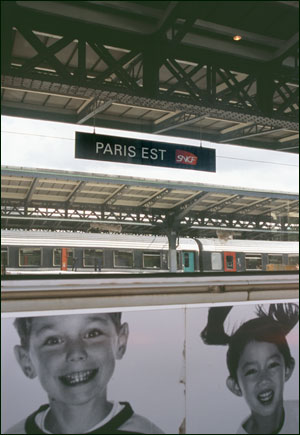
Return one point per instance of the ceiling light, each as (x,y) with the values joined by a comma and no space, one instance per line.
(237,38)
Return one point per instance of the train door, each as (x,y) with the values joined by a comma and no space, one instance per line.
(188,261)
(229,261)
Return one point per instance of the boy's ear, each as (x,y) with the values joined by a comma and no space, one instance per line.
(289,370)
(24,360)
(233,386)
(122,340)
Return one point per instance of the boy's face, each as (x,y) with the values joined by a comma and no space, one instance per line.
(73,356)
(261,376)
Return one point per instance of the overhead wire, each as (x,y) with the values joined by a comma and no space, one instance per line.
(219,157)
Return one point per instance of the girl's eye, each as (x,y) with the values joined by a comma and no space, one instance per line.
(273,365)
(52,341)
(93,333)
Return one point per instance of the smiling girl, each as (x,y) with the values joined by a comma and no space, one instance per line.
(259,363)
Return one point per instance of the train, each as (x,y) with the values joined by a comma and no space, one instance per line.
(45,251)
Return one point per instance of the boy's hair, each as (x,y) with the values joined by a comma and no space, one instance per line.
(271,327)
(23,326)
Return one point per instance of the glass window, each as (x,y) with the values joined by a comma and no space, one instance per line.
(253,262)
(275,262)
(151,260)
(70,257)
(229,261)
(275,259)
(92,255)
(57,257)
(123,259)
(30,257)
(216,261)
(293,260)
(186,259)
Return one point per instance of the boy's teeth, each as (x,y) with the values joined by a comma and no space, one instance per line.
(78,377)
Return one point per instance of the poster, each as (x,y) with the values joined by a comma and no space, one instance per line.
(158,363)
(211,407)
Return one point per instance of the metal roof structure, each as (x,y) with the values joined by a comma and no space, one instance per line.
(60,200)
(158,67)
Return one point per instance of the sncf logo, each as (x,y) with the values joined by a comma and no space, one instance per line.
(186,157)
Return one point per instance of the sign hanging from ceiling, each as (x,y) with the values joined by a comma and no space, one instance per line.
(143,152)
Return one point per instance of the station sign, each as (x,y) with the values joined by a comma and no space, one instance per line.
(143,152)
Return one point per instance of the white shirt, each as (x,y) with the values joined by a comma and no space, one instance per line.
(116,408)
(291,419)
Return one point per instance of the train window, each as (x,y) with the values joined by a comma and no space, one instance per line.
(123,259)
(216,261)
(275,262)
(89,256)
(275,259)
(229,261)
(57,257)
(253,262)
(186,259)
(151,260)
(30,257)
(293,260)
(70,257)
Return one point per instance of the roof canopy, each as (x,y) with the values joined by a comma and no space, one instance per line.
(157,67)
(60,200)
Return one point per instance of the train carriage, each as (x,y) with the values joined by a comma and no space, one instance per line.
(44,251)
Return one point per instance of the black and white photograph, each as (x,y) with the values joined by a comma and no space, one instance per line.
(93,372)
(242,369)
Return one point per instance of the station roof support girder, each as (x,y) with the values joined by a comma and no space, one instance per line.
(107,55)
(33,198)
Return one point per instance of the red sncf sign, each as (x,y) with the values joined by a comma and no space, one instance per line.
(186,157)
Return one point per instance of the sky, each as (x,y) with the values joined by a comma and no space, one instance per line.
(51,145)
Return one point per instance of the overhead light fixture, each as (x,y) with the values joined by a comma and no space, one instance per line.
(237,38)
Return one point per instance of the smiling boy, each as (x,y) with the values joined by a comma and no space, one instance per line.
(74,357)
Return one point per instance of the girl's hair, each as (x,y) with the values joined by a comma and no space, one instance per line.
(23,326)
(271,327)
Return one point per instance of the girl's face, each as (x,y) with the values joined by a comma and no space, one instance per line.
(261,376)
(74,356)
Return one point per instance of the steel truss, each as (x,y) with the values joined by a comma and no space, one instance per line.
(183,79)
(143,222)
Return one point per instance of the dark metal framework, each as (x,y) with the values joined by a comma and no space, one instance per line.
(157,67)
(54,200)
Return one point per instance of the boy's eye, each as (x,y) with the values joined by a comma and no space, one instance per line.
(250,372)
(93,333)
(51,341)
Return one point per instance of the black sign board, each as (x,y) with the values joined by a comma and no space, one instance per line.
(143,152)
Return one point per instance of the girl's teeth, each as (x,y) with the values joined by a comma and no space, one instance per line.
(266,396)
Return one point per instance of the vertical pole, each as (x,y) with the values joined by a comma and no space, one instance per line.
(64,259)
(172,251)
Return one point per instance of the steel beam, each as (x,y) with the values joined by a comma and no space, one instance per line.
(246,132)
(92,109)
